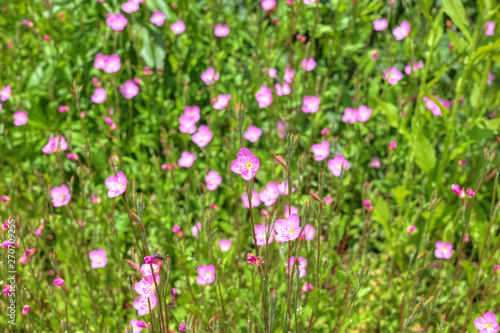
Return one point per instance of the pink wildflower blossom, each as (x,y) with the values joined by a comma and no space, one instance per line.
(182,327)
(287,229)
(20,118)
(272,73)
(350,115)
(253,260)
(490,28)
(282,90)
(99,95)
(268,4)
(491,78)
(117,21)
(264,97)
(224,244)
(270,194)
(413,66)
(146,287)
(60,195)
(98,258)
(306,287)
(187,124)
(178,27)
(26,309)
(321,150)
(309,232)
(58,282)
(137,325)
(374,55)
(364,113)
(55,144)
(283,187)
(187,159)
(487,323)
(116,185)
(176,229)
(402,31)
(458,191)
(328,200)
(255,199)
(471,193)
(130,6)
(246,164)
(158,18)
(210,76)
(310,104)
(213,180)
(202,137)
(206,274)
(291,211)
(141,304)
(260,235)
(302,266)
(432,106)
(337,163)
(253,133)
(392,75)
(222,102)
(221,30)
(289,74)
(308,64)
(129,89)
(5,93)
(410,229)
(393,145)
(443,250)
(380,25)
(63,108)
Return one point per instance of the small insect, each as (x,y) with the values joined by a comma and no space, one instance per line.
(159,256)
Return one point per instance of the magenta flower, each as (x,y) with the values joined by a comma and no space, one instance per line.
(273,73)
(321,150)
(117,21)
(130,6)
(471,193)
(309,232)
(178,27)
(364,113)
(253,133)
(255,199)
(221,30)
(5,93)
(393,145)
(487,323)
(302,266)
(55,144)
(410,229)
(182,327)
(146,287)
(253,260)
(260,234)
(458,191)
(20,118)
(443,250)
(209,76)
(246,164)
(222,102)
(98,258)
(308,64)
(402,31)
(307,287)
(264,96)
(100,60)
(225,244)
(289,74)
(432,106)
(283,187)
(137,325)
(491,78)
(392,75)
(213,180)
(116,185)
(202,137)
(310,104)
(192,112)
(129,89)
(328,200)
(374,55)
(268,4)
(368,205)
(350,115)
(158,18)
(196,228)
(292,211)
(63,108)
(141,304)
(187,159)
(380,25)
(112,64)
(337,163)
(58,282)
(282,90)
(60,195)
(270,194)
(28,23)
(287,229)
(187,124)
(26,309)
(99,95)
(490,28)
(413,66)
(309,2)
(206,274)
(176,229)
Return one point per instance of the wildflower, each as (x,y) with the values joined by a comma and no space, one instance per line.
(321,150)
(187,124)
(30,252)
(129,89)
(58,282)
(55,144)
(380,25)
(253,133)
(458,191)
(270,194)
(110,122)
(307,287)
(490,28)
(206,274)
(308,2)
(225,244)
(130,6)
(310,104)
(308,64)
(443,250)
(158,18)
(20,118)
(137,325)
(491,78)
(141,304)
(466,238)
(402,31)
(368,205)
(96,199)
(393,145)
(112,64)
(280,129)
(221,30)
(196,228)
(213,179)
(268,4)
(187,159)
(308,233)
(192,112)
(273,73)
(178,27)
(146,287)
(410,229)
(4,198)
(182,327)
(487,323)
(287,229)
(28,23)
(282,90)
(146,270)
(116,185)
(328,200)
(209,76)
(283,187)
(176,229)
(288,212)
(246,164)
(255,199)
(289,74)
(392,75)
(264,97)
(337,163)
(374,55)
(116,21)
(60,195)
(63,108)
(350,115)
(23,259)
(26,309)
(5,93)
(302,265)
(99,95)
(202,137)
(432,106)
(260,235)
(471,193)
(222,102)
(413,66)
(253,260)
(496,267)
(98,258)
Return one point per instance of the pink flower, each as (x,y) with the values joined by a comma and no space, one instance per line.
(466,238)
(130,6)
(213,180)
(137,325)
(270,194)
(273,73)
(225,244)
(268,4)
(116,21)
(308,64)
(410,229)
(287,229)
(5,93)
(374,55)
(321,150)
(432,106)
(487,323)
(206,274)
(146,287)
(96,199)
(325,131)
(364,113)
(490,28)
(393,145)
(491,78)
(116,185)
(307,287)
(280,129)
(402,31)
(178,27)
(443,250)
(260,235)
(380,25)
(26,309)
(63,108)
(111,123)
(58,282)
(141,304)
(98,258)
(246,164)
(221,30)
(337,163)
(302,266)
(282,90)
(253,260)
(309,232)
(253,133)
(328,200)
(182,327)
(129,89)
(264,97)
(471,193)
(55,144)
(99,95)
(192,112)
(350,115)
(202,137)
(176,229)
(413,66)
(289,212)
(195,229)
(20,118)
(210,76)
(112,64)
(392,75)
(28,23)
(309,2)
(310,104)
(158,18)
(60,195)
(187,124)
(255,199)
(222,102)
(289,74)
(283,187)
(368,205)
(496,267)
(187,159)
(458,191)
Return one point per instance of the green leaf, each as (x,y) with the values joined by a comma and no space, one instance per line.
(455,10)
(459,44)
(400,193)
(425,156)
(484,50)
(346,324)
(390,111)
(381,215)
(146,52)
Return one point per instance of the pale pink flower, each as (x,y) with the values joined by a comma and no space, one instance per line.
(26,309)
(374,55)
(5,93)
(137,325)
(99,95)
(289,74)
(264,97)
(255,199)
(260,235)
(206,274)
(141,304)
(309,232)
(466,238)
(187,159)
(282,90)
(192,112)
(307,287)
(491,78)
(392,75)
(487,323)
(268,4)
(116,185)
(129,89)
(350,115)
(328,200)
(432,106)
(393,145)
(100,60)
(302,263)
(146,287)
(337,163)
(321,150)
(28,23)
(213,180)
(178,27)
(443,250)
(202,137)
(98,258)
(63,108)
(253,133)
(308,64)
(287,229)
(280,129)
(288,212)
(246,164)
(364,113)
(490,28)
(270,194)
(187,124)
(112,64)
(309,2)
(130,6)
(283,187)
(221,30)
(272,73)
(20,118)
(413,66)
(60,195)
(158,18)
(310,104)
(117,21)
(224,244)
(402,31)
(380,25)
(210,76)
(222,102)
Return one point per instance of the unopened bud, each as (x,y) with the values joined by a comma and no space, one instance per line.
(280,160)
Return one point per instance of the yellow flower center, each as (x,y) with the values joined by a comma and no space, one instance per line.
(291,231)
(208,274)
(445,249)
(489,325)
(151,286)
(249,165)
